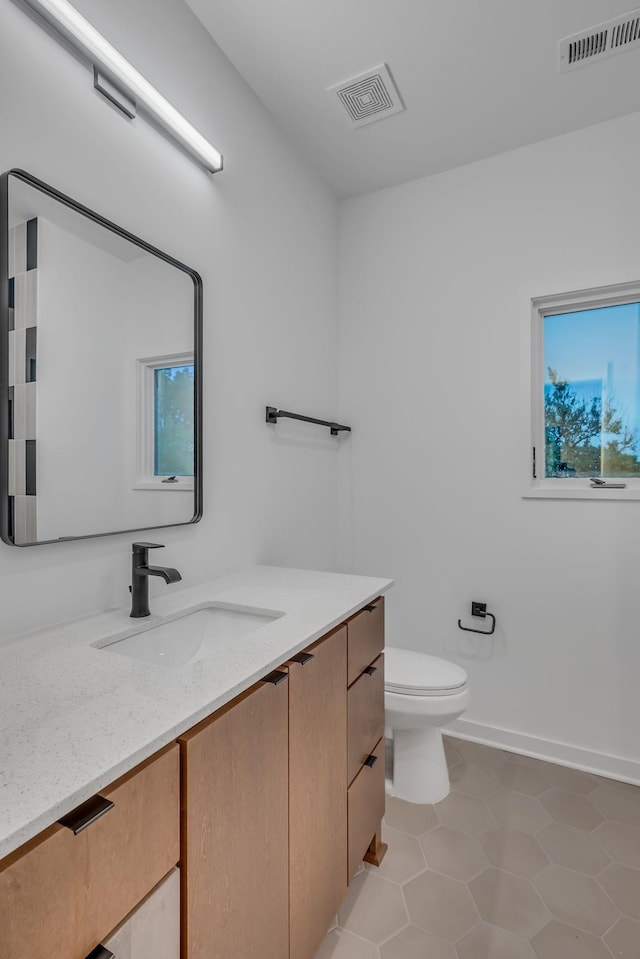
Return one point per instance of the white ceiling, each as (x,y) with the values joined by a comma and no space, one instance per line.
(478,77)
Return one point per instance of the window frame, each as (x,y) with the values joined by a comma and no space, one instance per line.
(541,486)
(146,479)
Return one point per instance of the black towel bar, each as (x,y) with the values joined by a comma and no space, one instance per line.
(273,414)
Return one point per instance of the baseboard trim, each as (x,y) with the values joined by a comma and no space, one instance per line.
(612,767)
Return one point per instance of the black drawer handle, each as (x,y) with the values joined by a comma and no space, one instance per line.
(370,670)
(101,953)
(86,814)
(370,609)
(302,658)
(370,761)
(277,676)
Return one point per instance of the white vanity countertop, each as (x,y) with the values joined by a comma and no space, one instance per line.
(73,718)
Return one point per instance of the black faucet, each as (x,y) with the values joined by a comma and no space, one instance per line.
(140,573)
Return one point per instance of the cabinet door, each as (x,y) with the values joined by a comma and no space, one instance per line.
(234,820)
(317,797)
(63,892)
(152,930)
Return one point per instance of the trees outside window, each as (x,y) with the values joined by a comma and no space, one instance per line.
(587,384)
(173,421)
(585,437)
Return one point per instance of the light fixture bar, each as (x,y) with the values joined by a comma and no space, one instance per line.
(114,94)
(101,54)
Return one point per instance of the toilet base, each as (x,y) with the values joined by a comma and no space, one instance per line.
(420,773)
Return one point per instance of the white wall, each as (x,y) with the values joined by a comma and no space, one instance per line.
(80,468)
(435,287)
(99,312)
(159,322)
(263,235)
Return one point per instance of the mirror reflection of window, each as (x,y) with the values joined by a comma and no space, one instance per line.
(165,437)
(173,421)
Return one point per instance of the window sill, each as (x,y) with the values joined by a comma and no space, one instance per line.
(581,492)
(182,486)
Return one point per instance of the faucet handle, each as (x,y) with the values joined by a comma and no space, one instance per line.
(143,547)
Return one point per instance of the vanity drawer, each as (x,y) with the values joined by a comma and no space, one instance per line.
(366,807)
(63,892)
(365,632)
(152,930)
(365,705)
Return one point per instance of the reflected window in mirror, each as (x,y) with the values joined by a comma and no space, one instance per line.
(165,422)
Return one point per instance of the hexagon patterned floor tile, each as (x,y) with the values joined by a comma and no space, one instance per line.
(440,905)
(522,779)
(404,858)
(414,943)
(525,859)
(374,908)
(514,851)
(474,780)
(454,853)
(577,900)
(509,902)
(573,848)
(489,942)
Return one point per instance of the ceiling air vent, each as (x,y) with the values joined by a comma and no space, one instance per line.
(604,40)
(370,96)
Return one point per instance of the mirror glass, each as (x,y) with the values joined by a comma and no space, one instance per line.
(100,353)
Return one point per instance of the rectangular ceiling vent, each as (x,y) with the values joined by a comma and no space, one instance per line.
(605,40)
(370,96)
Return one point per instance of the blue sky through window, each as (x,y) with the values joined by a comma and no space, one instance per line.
(597,351)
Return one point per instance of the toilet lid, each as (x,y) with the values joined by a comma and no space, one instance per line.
(418,674)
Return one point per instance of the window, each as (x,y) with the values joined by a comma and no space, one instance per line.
(166,438)
(586,393)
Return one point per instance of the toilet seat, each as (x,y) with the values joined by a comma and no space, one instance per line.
(410,673)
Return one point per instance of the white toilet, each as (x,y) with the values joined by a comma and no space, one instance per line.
(421,694)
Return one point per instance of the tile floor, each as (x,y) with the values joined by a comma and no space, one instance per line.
(523,860)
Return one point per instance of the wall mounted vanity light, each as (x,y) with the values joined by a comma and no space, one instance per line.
(117,80)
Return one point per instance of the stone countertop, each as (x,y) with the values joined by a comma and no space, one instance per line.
(74,718)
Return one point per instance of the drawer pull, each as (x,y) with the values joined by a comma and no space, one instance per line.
(370,670)
(86,814)
(302,658)
(277,676)
(370,761)
(101,953)
(371,608)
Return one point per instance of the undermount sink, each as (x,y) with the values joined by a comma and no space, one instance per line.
(198,634)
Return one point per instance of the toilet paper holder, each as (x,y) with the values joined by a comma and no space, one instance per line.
(480,609)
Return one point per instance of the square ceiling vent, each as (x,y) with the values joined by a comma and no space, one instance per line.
(370,96)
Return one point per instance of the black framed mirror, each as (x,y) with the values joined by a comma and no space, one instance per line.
(100,374)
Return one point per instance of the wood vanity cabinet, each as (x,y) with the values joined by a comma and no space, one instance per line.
(365,703)
(317,797)
(264,865)
(283,796)
(235,852)
(62,893)
(268,806)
